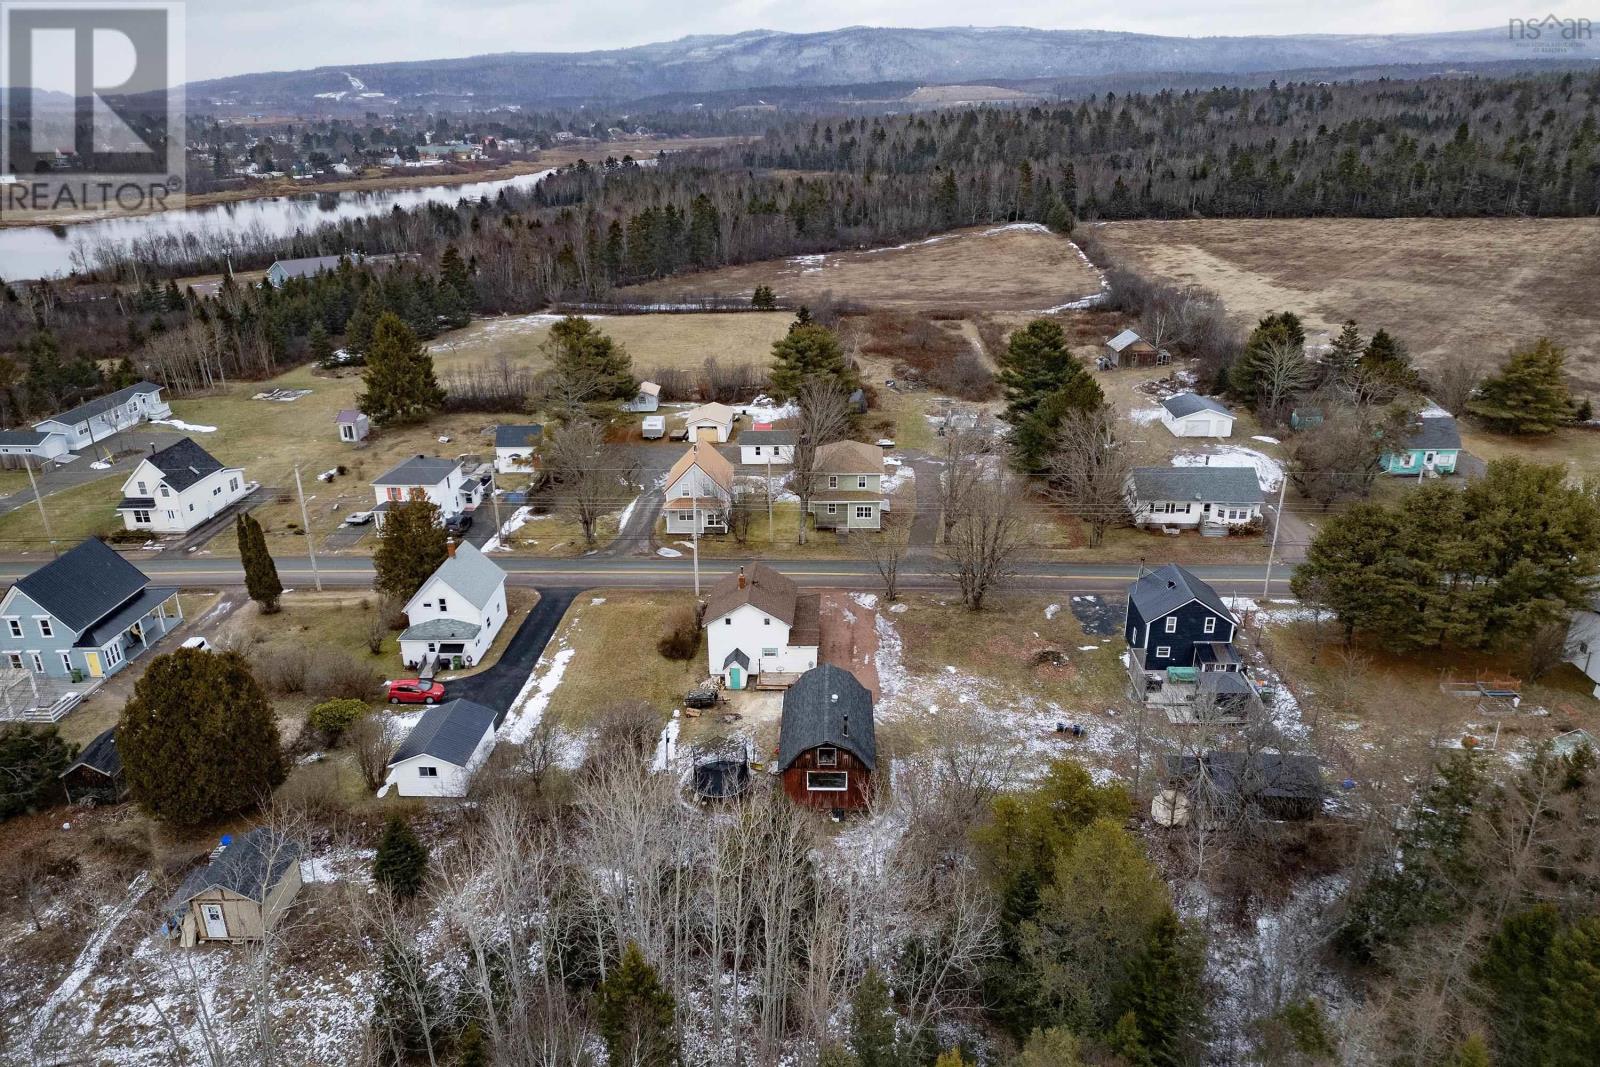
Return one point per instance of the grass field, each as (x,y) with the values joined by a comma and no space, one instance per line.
(673,341)
(1015,268)
(614,635)
(1446,287)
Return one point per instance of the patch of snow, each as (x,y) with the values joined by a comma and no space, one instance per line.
(764,409)
(1017,227)
(188,427)
(596,601)
(627,513)
(1269,472)
(866,600)
(84,965)
(519,518)
(1088,648)
(1431,410)
(1267,440)
(100,465)
(899,609)
(666,744)
(1051,611)
(670,553)
(529,706)
(1145,416)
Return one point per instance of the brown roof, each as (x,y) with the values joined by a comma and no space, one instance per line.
(764,587)
(708,459)
(850,457)
(807,626)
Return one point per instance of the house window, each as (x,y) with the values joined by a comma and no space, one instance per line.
(833,481)
(1163,652)
(142,490)
(861,482)
(769,652)
(758,450)
(727,621)
(833,509)
(1211,625)
(827,781)
(685,516)
(165,491)
(427,772)
(233,484)
(113,653)
(1172,624)
(141,516)
(66,662)
(863,511)
(15,659)
(442,605)
(16,627)
(172,514)
(217,491)
(396,494)
(191,507)
(827,756)
(38,663)
(45,629)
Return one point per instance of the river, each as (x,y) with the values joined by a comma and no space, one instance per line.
(44,251)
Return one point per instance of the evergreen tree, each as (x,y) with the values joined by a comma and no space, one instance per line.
(1164,992)
(1035,436)
(1123,1040)
(472,1050)
(1515,971)
(198,739)
(370,307)
(579,352)
(1529,395)
(1043,381)
(318,346)
(411,545)
(764,299)
(1473,1052)
(31,758)
(401,863)
(400,386)
(634,1014)
(1572,1001)
(1343,357)
(260,572)
(808,350)
(1274,331)
(872,1022)
(1386,360)
(453,275)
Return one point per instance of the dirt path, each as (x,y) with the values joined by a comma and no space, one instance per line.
(850,636)
(84,965)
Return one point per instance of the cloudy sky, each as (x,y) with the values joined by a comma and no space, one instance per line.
(229,37)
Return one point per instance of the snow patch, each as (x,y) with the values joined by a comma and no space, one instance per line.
(188,427)
(529,706)
(1051,611)
(1269,472)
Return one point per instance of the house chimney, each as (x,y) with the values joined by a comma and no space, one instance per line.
(846,723)
(741,578)
(450,548)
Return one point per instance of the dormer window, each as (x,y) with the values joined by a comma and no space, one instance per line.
(165,491)
(861,482)
(827,756)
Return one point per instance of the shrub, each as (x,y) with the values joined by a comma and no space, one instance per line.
(680,639)
(342,676)
(31,758)
(332,718)
(284,670)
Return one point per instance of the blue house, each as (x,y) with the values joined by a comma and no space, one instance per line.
(1433,447)
(88,612)
(1176,620)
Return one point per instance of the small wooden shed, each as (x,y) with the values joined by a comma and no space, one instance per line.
(1128,349)
(239,895)
(96,777)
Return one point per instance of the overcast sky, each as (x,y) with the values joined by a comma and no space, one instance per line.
(230,37)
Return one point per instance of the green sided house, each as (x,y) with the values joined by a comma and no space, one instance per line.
(84,615)
(1433,448)
(847,490)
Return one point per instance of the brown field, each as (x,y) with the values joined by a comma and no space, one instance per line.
(682,342)
(1446,287)
(983,269)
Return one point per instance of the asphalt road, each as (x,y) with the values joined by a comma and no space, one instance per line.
(588,573)
(498,686)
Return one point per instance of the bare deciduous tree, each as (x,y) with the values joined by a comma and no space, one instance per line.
(965,445)
(988,538)
(824,417)
(1087,470)
(368,737)
(889,550)
(1282,373)
(590,473)
(1453,384)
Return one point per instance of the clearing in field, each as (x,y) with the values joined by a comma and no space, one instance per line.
(1018,267)
(1446,287)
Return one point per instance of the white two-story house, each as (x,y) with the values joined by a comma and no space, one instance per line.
(759,623)
(178,488)
(457,612)
(699,491)
(847,488)
(443,482)
(92,422)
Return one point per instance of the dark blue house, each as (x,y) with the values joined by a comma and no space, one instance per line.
(1176,620)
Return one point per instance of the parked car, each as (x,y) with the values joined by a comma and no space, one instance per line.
(458,524)
(358,518)
(198,642)
(415,691)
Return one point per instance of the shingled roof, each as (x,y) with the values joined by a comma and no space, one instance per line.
(708,459)
(470,573)
(827,706)
(762,586)
(183,463)
(1436,432)
(449,732)
(1215,485)
(418,470)
(850,457)
(84,585)
(1169,587)
(87,410)
(249,866)
(99,755)
(1185,404)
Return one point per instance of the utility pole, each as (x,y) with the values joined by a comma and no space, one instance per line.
(27,461)
(694,542)
(305,519)
(771,539)
(494,499)
(1277,524)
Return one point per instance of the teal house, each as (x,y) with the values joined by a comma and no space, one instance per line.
(1433,447)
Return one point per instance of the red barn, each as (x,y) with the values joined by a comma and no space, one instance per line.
(827,747)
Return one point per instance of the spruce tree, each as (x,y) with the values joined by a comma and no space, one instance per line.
(872,1022)
(401,863)
(808,350)
(31,757)
(1043,382)
(764,299)
(260,572)
(1163,990)
(1529,395)
(399,380)
(318,345)
(579,351)
(199,740)
(1344,354)
(1386,360)
(1572,1001)
(472,1050)
(634,1014)
(411,545)
(1515,971)
(1281,328)
(454,276)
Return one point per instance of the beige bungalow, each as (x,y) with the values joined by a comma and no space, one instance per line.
(240,894)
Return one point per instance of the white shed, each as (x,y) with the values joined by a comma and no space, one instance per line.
(353,426)
(443,751)
(648,398)
(1192,415)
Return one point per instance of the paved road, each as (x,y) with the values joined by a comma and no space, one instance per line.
(587,573)
(498,686)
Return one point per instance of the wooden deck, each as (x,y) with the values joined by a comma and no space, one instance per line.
(773,680)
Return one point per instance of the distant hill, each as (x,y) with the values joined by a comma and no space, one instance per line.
(853,56)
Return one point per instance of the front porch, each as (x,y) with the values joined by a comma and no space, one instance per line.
(127,633)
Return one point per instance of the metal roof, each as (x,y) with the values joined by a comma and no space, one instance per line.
(517,436)
(1122,340)
(1185,404)
(1168,587)
(249,866)
(183,463)
(1212,485)
(827,706)
(85,584)
(418,470)
(450,732)
(1436,432)
(87,410)
(470,573)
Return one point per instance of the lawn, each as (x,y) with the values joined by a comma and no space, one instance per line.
(779,539)
(75,514)
(558,535)
(614,659)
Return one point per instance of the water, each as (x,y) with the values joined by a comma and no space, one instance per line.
(40,251)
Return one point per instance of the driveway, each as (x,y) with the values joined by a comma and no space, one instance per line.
(141,441)
(925,526)
(498,686)
(650,463)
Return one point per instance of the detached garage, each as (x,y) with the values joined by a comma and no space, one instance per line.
(442,752)
(1190,415)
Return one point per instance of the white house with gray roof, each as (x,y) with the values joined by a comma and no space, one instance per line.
(89,611)
(37,444)
(516,448)
(178,488)
(1192,497)
(1192,415)
(443,751)
(457,612)
(92,422)
(308,267)
(444,482)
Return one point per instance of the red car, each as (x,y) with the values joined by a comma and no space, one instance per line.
(415,691)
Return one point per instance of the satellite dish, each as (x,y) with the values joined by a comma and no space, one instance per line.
(1170,808)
